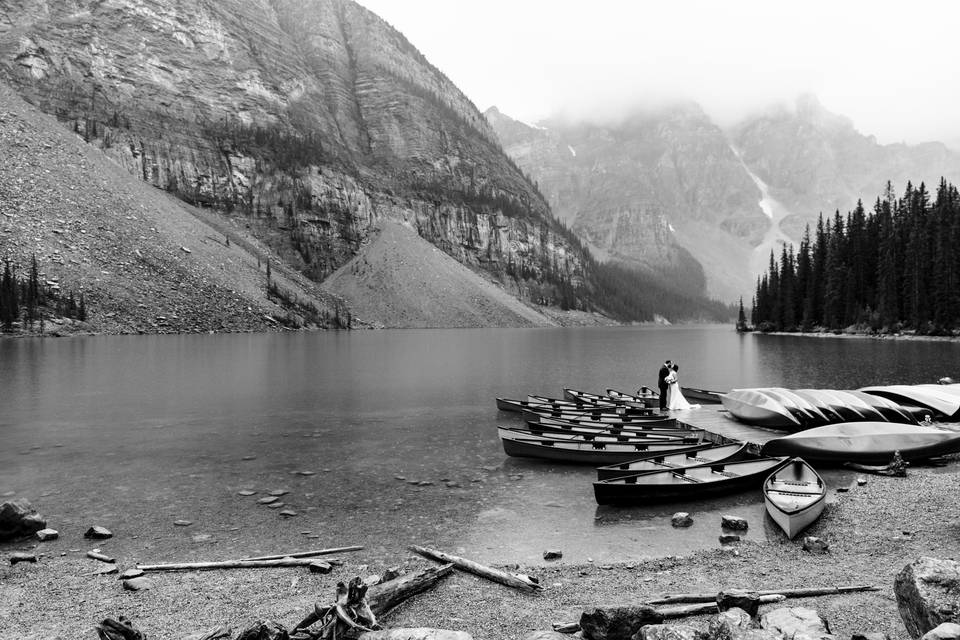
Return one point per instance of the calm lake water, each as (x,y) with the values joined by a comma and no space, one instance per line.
(136,432)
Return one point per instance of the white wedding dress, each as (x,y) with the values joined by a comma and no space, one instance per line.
(675,399)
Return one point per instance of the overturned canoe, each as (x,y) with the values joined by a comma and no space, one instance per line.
(865,442)
(687,483)
(932,396)
(794,496)
(593,453)
(712,455)
(754,407)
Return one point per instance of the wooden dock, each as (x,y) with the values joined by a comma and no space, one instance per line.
(722,428)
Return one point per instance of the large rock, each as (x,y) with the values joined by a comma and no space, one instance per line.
(734,523)
(729,624)
(669,632)
(945,631)
(264,630)
(546,635)
(797,623)
(98,533)
(416,634)
(748,601)
(617,623)
(18,520)
(45,535)
(928,594)
(681,519)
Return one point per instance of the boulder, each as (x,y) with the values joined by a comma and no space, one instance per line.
(928,594)
(870,635)
(414,634)
(729,624)
(734,523)
(798,623)
(617,623)
(681,519)
(120,629)
(748,601)
(264,630)
(138,584)
(98,533)
(945,631)
(552,554)
(45,535)
(18,520)
(813,544)
(669,632)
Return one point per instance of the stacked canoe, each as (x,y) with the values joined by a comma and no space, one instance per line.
(799,409)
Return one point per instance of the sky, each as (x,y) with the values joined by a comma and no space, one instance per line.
(890,67)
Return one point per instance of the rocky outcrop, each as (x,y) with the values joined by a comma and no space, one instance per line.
(797,623)
(617,623)
(928,594)
(312,119)
(18,519)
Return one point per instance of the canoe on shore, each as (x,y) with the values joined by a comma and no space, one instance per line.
(700,396)
(938,398)
(634,425)
(794,496)
(865,442)
(711,455)
(688,483)
(595,454)
(757,408)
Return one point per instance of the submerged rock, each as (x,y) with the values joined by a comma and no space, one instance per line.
(681,519)
(927,594)
(734,523)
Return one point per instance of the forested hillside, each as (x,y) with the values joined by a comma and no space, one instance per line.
(888,269)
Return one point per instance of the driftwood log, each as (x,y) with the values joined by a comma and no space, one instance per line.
(94,555)
(308,554)
(674,598)
(701,608)
(234,564)
(517,581)
(383,597)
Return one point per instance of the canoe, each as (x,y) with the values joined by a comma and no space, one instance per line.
(837,403)
(585,396)
(548,431)
(644,397)
(602,437)
(687,483)
(931,396)
(635,425)
(753,407)
(795,496)
(595,416)
(595,454)
(888,409)
(700,396)
(865,442)
(808,412)
(713,455)
(826,407)
(506,404)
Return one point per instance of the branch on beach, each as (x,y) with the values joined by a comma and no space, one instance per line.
(317,566)
(787,593)
(517,581)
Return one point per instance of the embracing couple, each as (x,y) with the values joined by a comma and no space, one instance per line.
(671,398)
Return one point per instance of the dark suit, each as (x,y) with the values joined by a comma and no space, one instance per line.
(662,385)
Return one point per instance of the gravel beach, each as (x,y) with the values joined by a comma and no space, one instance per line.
(874,530)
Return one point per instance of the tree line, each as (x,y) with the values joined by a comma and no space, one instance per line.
(28,300)
(891,269)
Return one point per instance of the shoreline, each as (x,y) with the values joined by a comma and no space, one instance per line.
(908,337)
(874,530)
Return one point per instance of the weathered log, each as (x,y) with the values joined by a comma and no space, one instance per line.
(525,583)
(789,593)
(308,554)
(101,557)
(683,611)
(228,564)
(385,596)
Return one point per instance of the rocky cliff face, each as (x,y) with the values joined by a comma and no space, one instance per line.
(312,118)
(648,191)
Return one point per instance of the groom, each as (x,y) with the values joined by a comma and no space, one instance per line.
(662,383)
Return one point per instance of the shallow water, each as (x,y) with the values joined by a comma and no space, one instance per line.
(136,432)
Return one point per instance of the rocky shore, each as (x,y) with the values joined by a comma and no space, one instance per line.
(874,531)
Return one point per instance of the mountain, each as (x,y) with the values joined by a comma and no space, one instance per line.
(671,192)
(661,190)
(816,161)
(310,123)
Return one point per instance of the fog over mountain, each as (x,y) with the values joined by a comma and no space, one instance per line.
(538,59)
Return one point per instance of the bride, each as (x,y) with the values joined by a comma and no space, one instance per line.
(675,399)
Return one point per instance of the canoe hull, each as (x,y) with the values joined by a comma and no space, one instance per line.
(577,453)
(794,496)
(865,443)
(717,454)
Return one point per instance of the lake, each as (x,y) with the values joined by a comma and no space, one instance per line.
(398,429)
